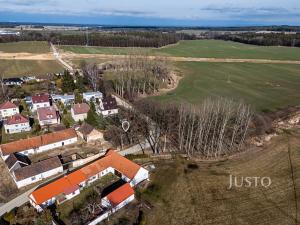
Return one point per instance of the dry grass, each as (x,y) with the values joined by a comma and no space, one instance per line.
(8,188)
(201,196)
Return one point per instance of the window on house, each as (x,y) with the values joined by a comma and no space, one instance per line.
(32,178)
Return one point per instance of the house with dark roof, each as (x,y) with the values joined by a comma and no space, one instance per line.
(14,81)
(16,124)
(8,109)
(89,133)
(35,172)
(79,111)
(70,185)
(16,161)
(40,143)
(48,116)
(108,106)
(40,101)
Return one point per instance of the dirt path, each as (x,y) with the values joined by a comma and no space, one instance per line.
(70,56)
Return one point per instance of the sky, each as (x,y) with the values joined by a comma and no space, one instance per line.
(153,12)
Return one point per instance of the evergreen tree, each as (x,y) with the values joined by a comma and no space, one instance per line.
(68,84)
(80,83)
(78,96)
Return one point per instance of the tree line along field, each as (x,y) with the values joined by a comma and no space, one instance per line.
(200,49)
(25,46)
(19,68)
(265,86)
(187,192)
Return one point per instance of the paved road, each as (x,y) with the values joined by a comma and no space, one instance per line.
(16,202)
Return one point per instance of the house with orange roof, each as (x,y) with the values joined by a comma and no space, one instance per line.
(40,143)
(71,184)
(16,124)
(8,109)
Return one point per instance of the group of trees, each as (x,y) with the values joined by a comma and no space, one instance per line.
(111,39)
(267,39)
(138,75)
(215,128)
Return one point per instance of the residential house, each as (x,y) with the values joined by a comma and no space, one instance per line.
(108,106)
(71,184)
(114,201)
(8,109)
(48,116)
(79,111)
(89,133)
(65,99)
(15,81)
(16,161)
(16,124)
(88,96)
(35,172)
(40,101)
(39,144)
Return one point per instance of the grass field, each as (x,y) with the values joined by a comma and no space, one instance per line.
(183,194)
(12,68)
(25,46)
(265,86)
(201,49)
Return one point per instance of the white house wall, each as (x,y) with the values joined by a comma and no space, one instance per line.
(9,112)
(57,145)
(48,122)
(36,178)
(35,106)
(17,128)
(140,176)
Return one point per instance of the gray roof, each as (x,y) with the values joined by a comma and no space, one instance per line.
(37,168)
(16,157)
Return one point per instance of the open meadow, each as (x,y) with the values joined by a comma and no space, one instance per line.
(199,49)
(265,86)
(25,46)
(187,192)
(19,68)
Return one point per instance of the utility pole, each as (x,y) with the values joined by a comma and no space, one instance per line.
(87,36)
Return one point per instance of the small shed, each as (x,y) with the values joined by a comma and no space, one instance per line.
(89,133)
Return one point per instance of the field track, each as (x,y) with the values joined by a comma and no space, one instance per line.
(49,56)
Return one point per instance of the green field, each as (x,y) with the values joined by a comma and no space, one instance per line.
(25,46)
(201,49)
(265,86)
(185,194)
(13,68)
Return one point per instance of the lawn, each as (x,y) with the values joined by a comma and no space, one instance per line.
(187,192)
(264,86)
(201,49)
(19,68)
(25,46)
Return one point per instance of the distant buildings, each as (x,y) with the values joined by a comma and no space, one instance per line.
(40,101)
(88,96)
(65,99)
(39,144)
(79,111)
(8,109)
(108,106)
(16,124)
(13,81)
(48,116)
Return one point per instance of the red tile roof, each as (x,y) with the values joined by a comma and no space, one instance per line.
(121,194)
(40,98)
(46,113)
(16,119)
(7,105)
(80,108)
(35,142)
(111,159)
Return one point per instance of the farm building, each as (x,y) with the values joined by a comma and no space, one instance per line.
(8,109)
(70,185)
(39,144)
(33,173)
(89,133)
(40,101)
(16,124)
(79,111)
(48,116)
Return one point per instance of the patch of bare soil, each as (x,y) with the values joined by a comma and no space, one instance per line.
(8,188)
